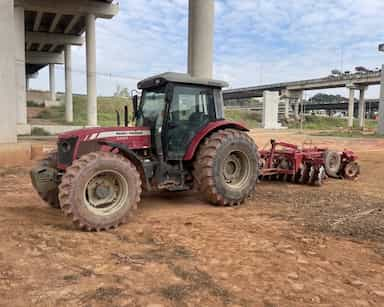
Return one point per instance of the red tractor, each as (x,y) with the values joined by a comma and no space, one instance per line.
(180,141)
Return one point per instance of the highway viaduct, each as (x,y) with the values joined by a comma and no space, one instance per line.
(291,93)
(37,33)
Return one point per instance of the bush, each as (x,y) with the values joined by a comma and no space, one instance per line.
(31,103)
(37,131)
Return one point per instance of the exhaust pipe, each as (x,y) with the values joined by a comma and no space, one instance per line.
(126,116)
(118,118)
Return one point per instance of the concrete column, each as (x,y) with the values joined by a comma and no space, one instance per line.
(200,38)
(21,99)
(68,84)
(362,108)
(286,108)
(270,110)
(297,108)
(52,82)
(380,129)
(91,69)
(7,74)
(351,107)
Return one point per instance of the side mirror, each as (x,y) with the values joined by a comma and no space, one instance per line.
(135,103)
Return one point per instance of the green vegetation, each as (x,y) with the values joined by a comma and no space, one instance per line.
(249,118)
(313,122)
(39,132)
(347,133)
(31,103)
(106,107)
(326,98)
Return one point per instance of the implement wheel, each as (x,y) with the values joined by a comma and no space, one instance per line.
(100,190)
(226,167)
(332,163)
(50,197)
(351,170)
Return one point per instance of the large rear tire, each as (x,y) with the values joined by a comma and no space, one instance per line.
(100,191)
(50,197)
(226,167)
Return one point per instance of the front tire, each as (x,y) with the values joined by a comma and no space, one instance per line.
(100,190)
(226,167)
(50,197)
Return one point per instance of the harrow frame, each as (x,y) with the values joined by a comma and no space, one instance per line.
(303,165)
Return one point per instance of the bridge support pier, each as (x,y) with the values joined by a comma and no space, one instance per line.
(362,108)
(351,106)
(200,38)
(380,130)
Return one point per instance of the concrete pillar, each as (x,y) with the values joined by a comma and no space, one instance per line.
(286,108)
(380,129)
(200,38)
(351,107)
(91,69)
(52,82)
(68,84)
(362,108)
(270,110)
(21,99)
(7,74)
(297,108)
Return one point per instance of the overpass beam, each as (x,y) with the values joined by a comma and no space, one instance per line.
(351,106)
(200,38)
(362,108)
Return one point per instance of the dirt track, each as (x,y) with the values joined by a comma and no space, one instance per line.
(291,246)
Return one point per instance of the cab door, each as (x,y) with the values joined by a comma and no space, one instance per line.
(191,108)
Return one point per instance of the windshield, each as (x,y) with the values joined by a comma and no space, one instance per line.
(152,105)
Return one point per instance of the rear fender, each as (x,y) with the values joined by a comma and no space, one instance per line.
(208,130)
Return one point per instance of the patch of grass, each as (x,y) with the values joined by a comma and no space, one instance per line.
(37,131)
(31,103)
(313,122)
(249,118)
(106,107)
(347,133)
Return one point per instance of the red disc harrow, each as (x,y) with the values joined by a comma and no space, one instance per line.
(309,165)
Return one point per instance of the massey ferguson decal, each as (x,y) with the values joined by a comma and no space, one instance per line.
(114,134)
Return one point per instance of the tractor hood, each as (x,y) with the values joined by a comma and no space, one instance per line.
(74,144)
(98,133)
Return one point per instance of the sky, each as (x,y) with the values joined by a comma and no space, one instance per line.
(256,42)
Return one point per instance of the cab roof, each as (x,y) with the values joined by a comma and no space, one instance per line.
(174,77)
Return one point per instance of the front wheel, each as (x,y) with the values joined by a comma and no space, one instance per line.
(100,190)
(226,167)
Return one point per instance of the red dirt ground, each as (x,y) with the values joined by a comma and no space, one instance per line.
(291,245)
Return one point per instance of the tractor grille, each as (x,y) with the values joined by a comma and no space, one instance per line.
(65,149)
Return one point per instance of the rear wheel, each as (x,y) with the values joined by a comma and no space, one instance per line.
(100,190)
(50,197)
(226,167)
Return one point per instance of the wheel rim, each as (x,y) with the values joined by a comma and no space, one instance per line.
(106,193)
(236,170)
(352,170)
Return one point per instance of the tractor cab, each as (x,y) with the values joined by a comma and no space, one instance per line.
(176,107)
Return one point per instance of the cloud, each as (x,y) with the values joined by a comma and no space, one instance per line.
(256,41)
